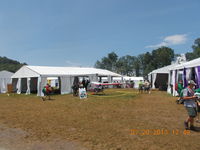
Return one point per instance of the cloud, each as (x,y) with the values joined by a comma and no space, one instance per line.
(171,40)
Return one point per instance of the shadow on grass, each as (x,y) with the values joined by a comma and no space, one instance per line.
(197,129)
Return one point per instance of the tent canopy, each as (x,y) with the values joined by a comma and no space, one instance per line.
(36,71)
(165,69)
(189,64)
(29,78)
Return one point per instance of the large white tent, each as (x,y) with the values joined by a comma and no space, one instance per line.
(188,70)
(189,64)
(29,78)
(160,75)
(5,79)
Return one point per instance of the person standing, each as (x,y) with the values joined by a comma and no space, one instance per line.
(190,105)
(46,91)
(147,86)
(141,86)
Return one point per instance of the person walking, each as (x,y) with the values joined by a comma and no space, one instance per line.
(190,105)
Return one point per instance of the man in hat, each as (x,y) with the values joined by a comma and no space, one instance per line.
(190,104)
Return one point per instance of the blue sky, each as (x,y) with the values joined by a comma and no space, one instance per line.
(79,32)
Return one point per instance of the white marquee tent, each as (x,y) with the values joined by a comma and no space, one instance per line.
(189,70)
(189,64)
(5,78)
(29,78)
(160,74)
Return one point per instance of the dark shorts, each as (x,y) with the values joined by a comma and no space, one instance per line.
(140,87)
(192,112)
(198,108)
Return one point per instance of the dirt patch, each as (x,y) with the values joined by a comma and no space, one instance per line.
(14,139)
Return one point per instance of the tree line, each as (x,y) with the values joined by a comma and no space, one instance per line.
(143,64)
(9,64)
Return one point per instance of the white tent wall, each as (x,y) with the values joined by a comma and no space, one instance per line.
(66,85)
(3,84)
(174,82)
(149,77)
(188,73)
(42,81)
(153,80)
(28,91)
(5,79)
(93,78)
(109,79)
(197,72)
(169,88)
(18,87)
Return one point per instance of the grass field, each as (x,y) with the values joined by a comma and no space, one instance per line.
(121,119)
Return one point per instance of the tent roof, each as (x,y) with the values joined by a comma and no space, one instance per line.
(5,74)
(36,71)
(165,69)
(189,64)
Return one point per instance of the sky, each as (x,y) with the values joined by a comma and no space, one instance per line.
(80,32)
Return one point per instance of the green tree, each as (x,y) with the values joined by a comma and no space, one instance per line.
(162,57)
(9,64)
(108,62)
(136,66)
(125,65)
(196,50)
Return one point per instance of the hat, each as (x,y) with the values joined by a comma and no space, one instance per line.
(191,82)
